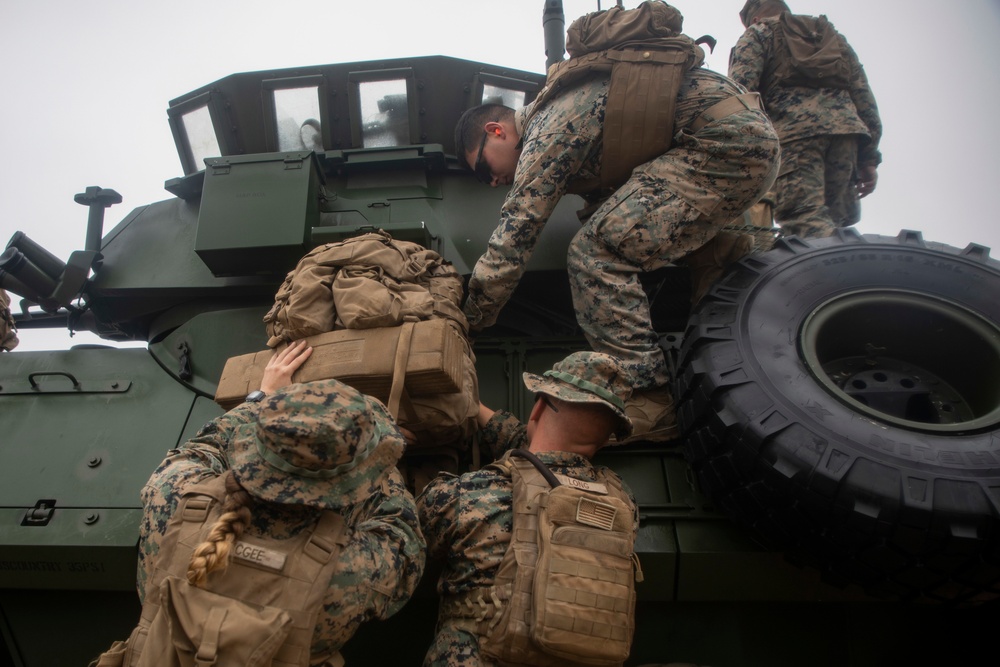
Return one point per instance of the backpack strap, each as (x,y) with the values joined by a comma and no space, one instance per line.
(509,600)
(327,539)
(8,338)
(399,368)
(208,649)
(480,607)
(320,554)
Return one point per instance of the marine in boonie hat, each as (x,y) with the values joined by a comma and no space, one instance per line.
(588,377)
(320,444)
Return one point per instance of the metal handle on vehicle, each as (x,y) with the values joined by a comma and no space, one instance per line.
(34,385)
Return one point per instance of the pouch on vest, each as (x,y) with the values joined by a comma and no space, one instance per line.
(811,53)
(570,571)
(196,627)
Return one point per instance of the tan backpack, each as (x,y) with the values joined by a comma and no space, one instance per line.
(371,280)
(260,611)
(375,281)
(646,56)
(567,581)
(8,339)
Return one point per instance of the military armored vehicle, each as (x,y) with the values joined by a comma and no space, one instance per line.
(835,496)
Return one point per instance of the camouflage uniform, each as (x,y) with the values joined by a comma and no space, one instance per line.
(8,337)
(669,207)
(384,558)
(467,519)
(826,135)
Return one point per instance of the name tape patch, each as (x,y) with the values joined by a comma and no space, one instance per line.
(259,555)
(592,487)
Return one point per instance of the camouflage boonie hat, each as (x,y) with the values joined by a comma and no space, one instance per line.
(749,8)
(588,377)
(322,444)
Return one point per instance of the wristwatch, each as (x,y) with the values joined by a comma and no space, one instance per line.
(255,396)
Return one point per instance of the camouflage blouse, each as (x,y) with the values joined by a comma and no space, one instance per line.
(799,112)
(562,143)
(379,567)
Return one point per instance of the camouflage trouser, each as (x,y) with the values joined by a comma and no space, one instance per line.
(670,206)
(816,191)
(455,646)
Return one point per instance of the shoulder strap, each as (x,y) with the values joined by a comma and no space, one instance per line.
(399,369)
(507,635)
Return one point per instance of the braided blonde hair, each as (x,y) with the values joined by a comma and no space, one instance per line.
(213,554)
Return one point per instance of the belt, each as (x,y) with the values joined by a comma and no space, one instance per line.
(726,107)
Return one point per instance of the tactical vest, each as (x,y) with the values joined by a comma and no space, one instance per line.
(646,56)
(564,593)
(808,51)
(261,610)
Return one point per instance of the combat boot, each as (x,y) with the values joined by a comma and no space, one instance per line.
(653,417)
(709,261)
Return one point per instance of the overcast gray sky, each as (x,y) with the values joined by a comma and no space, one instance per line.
(86,87)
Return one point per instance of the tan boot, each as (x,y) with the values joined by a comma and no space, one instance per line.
(709,261)
(652,415)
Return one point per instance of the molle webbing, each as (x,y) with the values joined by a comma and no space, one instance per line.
(639,119)
(555,600)
(642,98)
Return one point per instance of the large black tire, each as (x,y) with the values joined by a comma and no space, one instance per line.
(841,396)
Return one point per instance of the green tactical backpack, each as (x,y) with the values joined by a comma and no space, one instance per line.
(812,53)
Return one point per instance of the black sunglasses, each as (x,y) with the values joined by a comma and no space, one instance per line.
(545,399)
(481,169)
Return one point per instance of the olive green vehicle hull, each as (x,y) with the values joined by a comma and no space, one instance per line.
(193,276)
(710,594)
